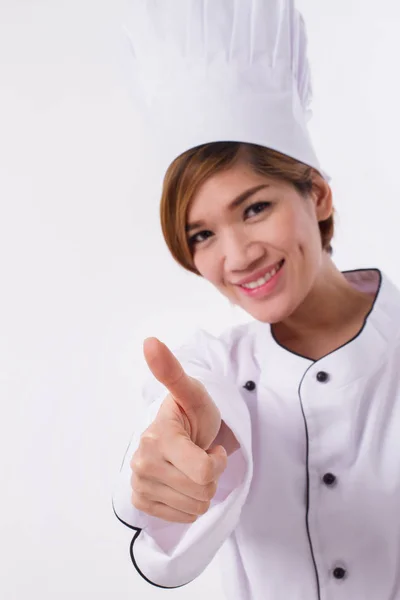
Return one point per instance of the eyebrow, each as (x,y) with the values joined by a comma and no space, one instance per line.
(234,204)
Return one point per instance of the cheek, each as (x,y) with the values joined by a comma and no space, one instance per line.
(206,264)
(294,230)
(286,231)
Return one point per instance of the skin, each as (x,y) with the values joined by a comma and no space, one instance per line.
(313,309)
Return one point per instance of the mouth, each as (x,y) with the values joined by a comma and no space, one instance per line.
(263,279)
(264,286)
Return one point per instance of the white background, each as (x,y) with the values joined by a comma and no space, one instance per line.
(85,275)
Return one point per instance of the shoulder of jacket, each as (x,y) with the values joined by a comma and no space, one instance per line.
(206,343)
(230,340)
(238,333)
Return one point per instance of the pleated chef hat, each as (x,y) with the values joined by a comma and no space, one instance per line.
(222,70)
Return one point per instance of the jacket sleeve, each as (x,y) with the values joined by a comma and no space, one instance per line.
(173,554)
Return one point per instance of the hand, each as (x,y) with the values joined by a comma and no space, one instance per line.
(174,470)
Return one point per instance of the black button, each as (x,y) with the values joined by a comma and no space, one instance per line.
(329,478)
(250,385)
(322,377)
(339,573)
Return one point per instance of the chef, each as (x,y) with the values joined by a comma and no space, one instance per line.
(303,402)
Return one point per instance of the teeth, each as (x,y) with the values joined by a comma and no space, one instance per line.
(255,284)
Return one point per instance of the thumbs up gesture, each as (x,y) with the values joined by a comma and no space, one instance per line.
(174,470)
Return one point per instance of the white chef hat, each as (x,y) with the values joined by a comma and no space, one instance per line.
(222,70)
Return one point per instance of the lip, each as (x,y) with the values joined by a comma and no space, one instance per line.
(258,274)
(266,289)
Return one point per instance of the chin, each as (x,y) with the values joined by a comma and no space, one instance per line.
(268,314)
(266,318)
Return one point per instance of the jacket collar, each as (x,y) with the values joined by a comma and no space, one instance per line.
(360,357)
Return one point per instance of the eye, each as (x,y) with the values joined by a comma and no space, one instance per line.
(195,239)
(258,207)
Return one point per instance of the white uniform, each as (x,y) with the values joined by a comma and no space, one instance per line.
(309,506)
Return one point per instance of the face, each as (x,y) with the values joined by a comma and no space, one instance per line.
(271,231)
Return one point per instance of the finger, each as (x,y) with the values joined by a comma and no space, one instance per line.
(198,465)
(220,457)
(161,511)
(166,474)
(154,491)
(167,370)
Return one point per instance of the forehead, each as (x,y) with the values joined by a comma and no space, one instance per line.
(234,179)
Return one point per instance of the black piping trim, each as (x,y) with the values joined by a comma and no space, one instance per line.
(308,487)
(131,550)
(314,362)
(357,334)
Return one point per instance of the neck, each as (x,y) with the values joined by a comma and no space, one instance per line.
(331,306)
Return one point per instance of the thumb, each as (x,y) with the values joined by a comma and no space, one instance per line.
(167,369)
(220,458)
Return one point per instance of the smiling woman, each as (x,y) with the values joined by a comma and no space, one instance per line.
(191,170)
(277,442)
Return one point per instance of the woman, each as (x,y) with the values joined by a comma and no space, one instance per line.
(275,444)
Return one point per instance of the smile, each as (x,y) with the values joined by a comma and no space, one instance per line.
(263,280)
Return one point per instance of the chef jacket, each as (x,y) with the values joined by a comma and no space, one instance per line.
(309,507)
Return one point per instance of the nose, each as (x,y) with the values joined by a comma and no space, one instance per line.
(240,251)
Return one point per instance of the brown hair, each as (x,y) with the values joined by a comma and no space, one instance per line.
(190,170)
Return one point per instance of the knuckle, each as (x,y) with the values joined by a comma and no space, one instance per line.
(140,502)
(133,460)
(209,491)
(137,484)
(140,464)
(206,472)
(150,438)
(202,508)
(159,510)
(172,516)
(154,511)
(192,518)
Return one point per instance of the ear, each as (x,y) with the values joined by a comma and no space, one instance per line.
(322,197)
